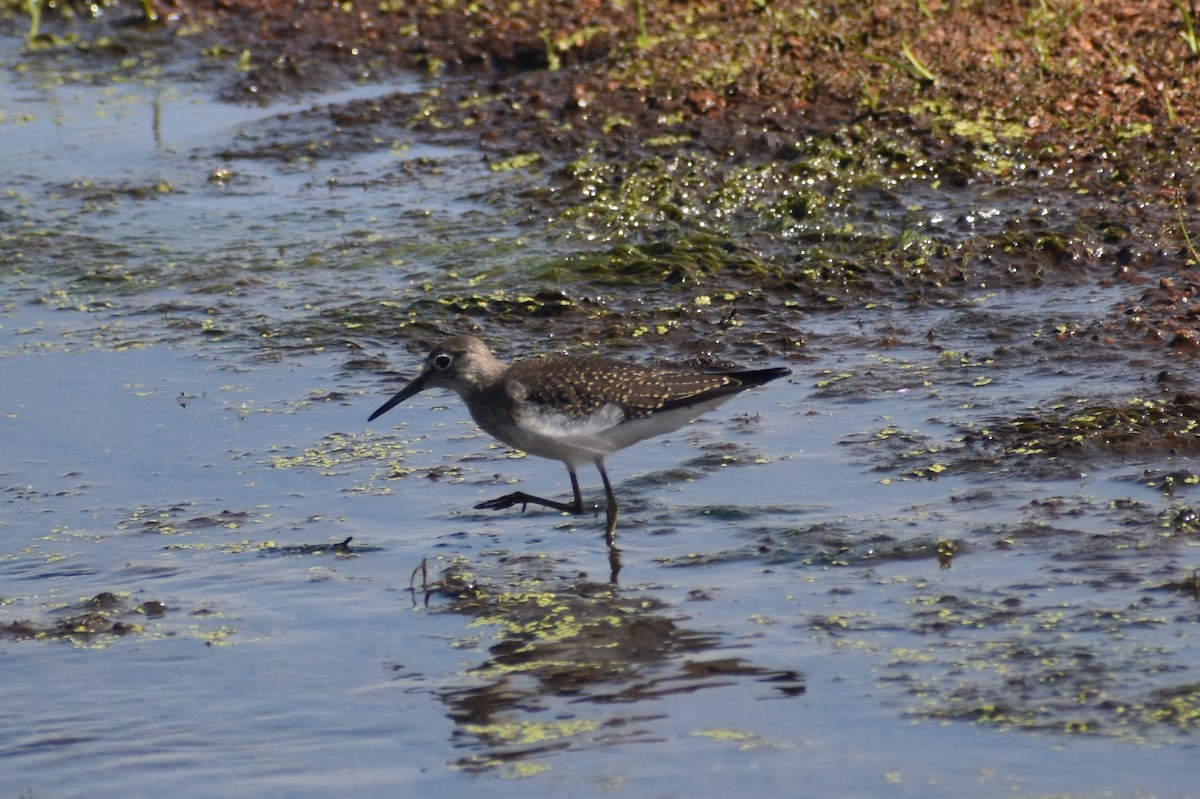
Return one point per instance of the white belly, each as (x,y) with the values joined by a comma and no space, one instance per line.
(578,441)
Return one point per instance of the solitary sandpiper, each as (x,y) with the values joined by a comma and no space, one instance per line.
(572,408)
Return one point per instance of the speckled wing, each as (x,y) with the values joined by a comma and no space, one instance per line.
(579,387)
(580,409)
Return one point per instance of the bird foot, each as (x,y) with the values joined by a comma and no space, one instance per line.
(524,500)
(506,501)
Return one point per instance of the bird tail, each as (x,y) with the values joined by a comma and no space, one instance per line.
(756,377)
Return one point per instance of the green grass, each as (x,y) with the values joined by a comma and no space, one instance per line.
(1188,12)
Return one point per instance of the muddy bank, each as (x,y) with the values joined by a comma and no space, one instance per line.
(1069,126)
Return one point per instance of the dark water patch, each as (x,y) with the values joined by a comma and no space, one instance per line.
(722,454)
(826,545)
(169,521)
(198,532)
(35,569)
(1161,313)
(93,623)
(1072,436)
(340,549)
(1168,482)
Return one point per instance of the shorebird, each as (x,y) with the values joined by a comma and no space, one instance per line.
(572,408)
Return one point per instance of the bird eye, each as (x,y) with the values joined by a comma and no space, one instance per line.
(442,362)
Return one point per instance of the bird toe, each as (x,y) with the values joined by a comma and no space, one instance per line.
(500,503)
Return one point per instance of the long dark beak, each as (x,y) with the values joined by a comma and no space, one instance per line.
(412,388)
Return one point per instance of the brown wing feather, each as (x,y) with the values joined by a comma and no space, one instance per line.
(578,386)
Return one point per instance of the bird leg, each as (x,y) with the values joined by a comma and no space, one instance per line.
(575,506)
(523,499)
(611,511)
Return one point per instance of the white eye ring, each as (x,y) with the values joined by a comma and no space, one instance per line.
(442,362)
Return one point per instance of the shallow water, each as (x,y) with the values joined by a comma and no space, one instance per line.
(176,454)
